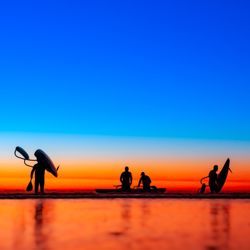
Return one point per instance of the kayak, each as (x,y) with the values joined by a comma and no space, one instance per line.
(132,191)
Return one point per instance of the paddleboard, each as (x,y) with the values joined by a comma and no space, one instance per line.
(22,152)
(222,176)
(48,164)
(132,191)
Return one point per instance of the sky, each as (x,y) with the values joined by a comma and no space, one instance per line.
(159,83)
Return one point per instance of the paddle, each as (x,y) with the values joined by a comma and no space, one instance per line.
(29,186)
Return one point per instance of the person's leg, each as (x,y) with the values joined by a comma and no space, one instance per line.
(42,184)
(212,188)
(216,188)
(125,187)
(36,185)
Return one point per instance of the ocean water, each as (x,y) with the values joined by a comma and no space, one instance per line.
(125,224)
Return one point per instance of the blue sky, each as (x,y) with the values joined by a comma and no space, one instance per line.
(167,69)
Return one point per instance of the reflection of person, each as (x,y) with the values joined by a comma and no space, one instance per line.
(126,179)
(39,176)
(213,179)
(145,180)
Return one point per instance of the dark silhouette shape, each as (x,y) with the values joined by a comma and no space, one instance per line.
(43,163)
(29,186)
(22,152)
(222,176)
(216,182)
(202,189)
(126,179)
(43,158)
(146,181)
(213,178)
(39,171)
(153,189)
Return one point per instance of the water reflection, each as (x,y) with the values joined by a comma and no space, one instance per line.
(220,226)
(125,216)
(145,210)
(124,224)
(20,226)
(41,221)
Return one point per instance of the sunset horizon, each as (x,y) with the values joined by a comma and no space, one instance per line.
(125,125)
(89,162)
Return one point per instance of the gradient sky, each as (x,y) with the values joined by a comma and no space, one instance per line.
(168,71)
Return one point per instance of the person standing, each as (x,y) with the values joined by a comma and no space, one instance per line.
(39,171)
(213,180)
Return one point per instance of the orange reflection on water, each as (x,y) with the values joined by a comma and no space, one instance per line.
(124,224)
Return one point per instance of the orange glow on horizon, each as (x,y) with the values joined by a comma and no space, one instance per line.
(174,174)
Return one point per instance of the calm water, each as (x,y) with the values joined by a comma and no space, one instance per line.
(124,224)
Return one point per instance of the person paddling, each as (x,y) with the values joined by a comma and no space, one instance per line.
(126,179)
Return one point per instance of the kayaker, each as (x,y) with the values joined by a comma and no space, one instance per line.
(146,181)
(126,179)
(213,179)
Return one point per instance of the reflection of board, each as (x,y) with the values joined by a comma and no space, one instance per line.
(48,164)
(222,176)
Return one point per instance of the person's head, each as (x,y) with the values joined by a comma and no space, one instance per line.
(142,174)
(215,167)
(39,159)
(126,168)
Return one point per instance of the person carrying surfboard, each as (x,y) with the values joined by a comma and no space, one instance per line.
(39,171)
(213,178)
(126,179)
(43,163)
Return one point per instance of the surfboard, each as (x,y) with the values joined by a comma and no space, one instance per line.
(22,152)
(222,176)
(48,164)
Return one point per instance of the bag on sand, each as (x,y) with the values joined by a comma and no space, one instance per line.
(203,188)
(29,187)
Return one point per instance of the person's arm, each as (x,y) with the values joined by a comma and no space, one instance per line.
(121,178)
(131,179)
(216,178)
(209,175)
(149,181)
(139,183)
(32,172)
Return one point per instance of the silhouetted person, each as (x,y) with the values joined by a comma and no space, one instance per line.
(39,176)
(126,179)
(213,179)
(146,181)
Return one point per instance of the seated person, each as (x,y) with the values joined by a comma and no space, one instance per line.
(146,181)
